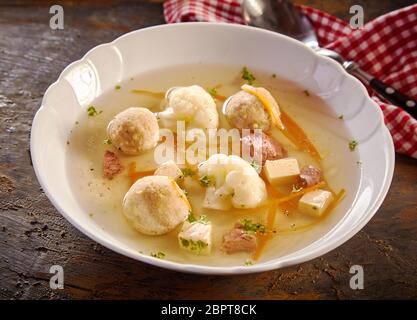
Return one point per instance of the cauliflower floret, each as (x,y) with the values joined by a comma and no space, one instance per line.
(234,180)
(190,104)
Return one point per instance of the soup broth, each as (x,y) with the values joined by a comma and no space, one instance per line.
(102,198)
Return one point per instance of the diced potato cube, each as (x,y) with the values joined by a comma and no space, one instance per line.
(315,203)
(216,201)
(282,171)
(169,169)
(196,237)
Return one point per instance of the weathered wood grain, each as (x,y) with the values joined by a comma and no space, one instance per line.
(33,236)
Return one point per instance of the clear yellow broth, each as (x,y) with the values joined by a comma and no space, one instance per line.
(102,198)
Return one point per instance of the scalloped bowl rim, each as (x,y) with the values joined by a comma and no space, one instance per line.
(285,261)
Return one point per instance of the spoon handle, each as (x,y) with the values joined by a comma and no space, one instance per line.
(384,90)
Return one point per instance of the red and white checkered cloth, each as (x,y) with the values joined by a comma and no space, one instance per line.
(385,47)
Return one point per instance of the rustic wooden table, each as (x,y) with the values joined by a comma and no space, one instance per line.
(34,236)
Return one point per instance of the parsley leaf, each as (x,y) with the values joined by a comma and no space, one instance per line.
(248,263)
(212,92)
(205,181)
(255,165)
(352,145)
(188,172)
(248,76)
(251,227)
(91,111)
(191,218)
(158,255)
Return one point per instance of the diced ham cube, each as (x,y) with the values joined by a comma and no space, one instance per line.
(267,146)
(310,176)
(111,165)
(238,240)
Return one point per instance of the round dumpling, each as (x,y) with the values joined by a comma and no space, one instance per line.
(192,104)
(134,131)
(155,205)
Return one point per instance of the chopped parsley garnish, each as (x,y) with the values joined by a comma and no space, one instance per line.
(197,246)
(107,141)
(251,227)
(248,263)
(117,87)
(352,145)
(188,172)
(248,76)
(158,255)
(184,242)
(191,218)
(307,93)
(341,117)
(91,215)
(212,92)
(202,219)
(91,111)
(255,165)
(185,192)
(205,181)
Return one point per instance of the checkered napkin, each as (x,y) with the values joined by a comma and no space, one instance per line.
(385,47)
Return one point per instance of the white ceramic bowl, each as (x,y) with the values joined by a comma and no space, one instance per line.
(163,46)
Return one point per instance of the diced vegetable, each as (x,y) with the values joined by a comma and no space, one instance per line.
(282,171)
(217,202)
(196,237)
(315,202)
(169,169)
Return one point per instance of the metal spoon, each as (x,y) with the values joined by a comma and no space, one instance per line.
(282,17)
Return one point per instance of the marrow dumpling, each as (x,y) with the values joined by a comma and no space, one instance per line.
(134,131)
(155,205)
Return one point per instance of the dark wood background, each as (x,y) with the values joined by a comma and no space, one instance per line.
(34,236)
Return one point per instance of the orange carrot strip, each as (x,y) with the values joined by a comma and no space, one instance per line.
(135,175)
(154,94)
(220,97)
(180,193)
(300,193)
(263,238)
(297,136)
(337,198)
